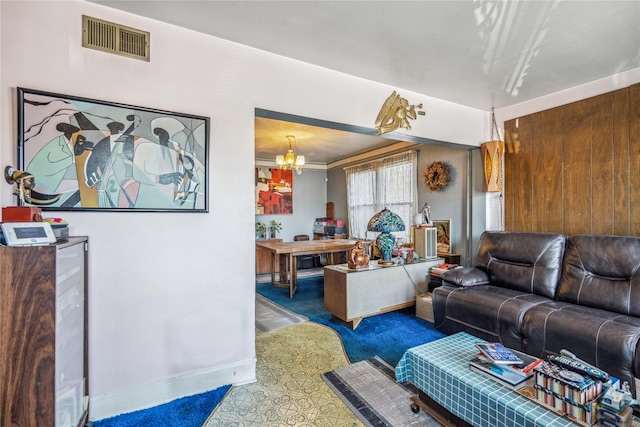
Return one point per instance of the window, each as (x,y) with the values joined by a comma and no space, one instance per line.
(384,183)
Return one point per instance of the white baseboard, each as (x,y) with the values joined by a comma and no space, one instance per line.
(156,393)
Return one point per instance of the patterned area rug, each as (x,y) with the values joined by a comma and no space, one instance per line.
(370,389)
(289,390)
(271,316)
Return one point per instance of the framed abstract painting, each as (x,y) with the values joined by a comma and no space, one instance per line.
(274,191)
(87,154)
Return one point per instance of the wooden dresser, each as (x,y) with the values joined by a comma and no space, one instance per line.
(43,335)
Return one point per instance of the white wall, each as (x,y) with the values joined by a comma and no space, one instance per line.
(172,295)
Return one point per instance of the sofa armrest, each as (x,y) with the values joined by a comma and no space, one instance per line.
(465,277)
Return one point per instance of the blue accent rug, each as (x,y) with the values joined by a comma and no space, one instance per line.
(191,411)
(386,335)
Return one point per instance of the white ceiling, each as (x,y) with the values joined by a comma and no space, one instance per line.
(482,53)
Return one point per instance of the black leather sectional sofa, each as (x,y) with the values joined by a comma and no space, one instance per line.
(543,292)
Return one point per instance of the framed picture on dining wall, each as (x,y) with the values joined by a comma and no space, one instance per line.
(274,191)
(93,155)
(443,240)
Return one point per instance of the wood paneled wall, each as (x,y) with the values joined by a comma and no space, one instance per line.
(575,169)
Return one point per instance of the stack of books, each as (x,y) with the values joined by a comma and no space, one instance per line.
(439,269)
(509,367)
(435,272)
(567,392)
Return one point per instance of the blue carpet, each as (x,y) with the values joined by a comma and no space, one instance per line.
(386,335)
(191,411)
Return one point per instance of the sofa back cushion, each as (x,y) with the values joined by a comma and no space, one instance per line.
(527,262)
(603,272)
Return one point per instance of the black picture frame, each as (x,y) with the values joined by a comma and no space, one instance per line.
(92,155)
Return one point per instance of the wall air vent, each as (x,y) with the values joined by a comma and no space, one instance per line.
(115,38)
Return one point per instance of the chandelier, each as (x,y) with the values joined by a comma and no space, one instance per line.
(290,160)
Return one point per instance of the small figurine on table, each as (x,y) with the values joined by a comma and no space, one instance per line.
(25,181)
(358,258)
(426,214)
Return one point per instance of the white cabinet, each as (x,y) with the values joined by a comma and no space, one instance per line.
(351,295)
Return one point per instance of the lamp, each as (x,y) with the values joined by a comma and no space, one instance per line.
(385,222)
(492,159)
(290,160)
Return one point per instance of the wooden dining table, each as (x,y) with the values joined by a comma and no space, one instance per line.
(294,249)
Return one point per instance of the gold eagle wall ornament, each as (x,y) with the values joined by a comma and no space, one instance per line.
(395,113)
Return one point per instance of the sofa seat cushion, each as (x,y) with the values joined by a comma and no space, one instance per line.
(602,338)
(489,312)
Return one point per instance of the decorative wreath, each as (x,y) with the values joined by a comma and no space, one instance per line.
(436,177)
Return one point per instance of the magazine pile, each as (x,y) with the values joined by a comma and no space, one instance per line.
(509,367)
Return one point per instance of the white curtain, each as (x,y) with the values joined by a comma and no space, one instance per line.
(389,183)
